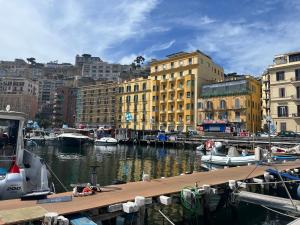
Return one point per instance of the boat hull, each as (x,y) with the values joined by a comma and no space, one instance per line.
(228,161)
(69,141)
(100,143)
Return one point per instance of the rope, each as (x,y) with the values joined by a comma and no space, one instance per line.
(56,178)
(194,206)
(166,217)
(275,182)
(273,210)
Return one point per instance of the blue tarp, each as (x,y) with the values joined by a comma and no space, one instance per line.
(283,175)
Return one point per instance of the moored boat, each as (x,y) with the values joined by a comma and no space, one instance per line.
(106,141)
(22,174)
(228,160)
(74,139)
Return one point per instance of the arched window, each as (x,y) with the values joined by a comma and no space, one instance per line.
(237,103)
(209,105)
(222,104)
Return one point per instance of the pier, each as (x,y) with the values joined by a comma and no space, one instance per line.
(17,211)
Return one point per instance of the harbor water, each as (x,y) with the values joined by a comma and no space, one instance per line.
(124,163)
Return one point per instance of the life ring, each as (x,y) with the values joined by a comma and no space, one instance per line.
(209,144)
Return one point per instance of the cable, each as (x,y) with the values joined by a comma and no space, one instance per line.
(56,177)
(273,210)
(194,205)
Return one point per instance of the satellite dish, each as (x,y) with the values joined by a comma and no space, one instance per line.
(8,108)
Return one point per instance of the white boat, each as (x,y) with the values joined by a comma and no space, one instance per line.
(106,141)
(228,160)
(74,139)
(22,174)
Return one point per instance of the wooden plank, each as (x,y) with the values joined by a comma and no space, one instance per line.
(127,192)
(21,214)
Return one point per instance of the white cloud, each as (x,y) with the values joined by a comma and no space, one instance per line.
(159,47)
(53,29)
(247,47)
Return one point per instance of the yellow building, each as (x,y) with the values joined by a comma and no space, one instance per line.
(175,86)
(96,104)
(281,92)
(133,104)
(230,106)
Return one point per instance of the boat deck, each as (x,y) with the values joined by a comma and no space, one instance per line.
(17,211)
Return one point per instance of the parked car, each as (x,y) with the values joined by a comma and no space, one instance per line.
(288,134)
(264,134)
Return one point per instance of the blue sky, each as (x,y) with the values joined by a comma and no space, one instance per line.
(241,35)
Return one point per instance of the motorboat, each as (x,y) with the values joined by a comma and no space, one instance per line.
(106,141)
(74,139)
(232,158)
(22,173)
(228,160)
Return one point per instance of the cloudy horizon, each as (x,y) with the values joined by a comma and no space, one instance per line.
(241,36)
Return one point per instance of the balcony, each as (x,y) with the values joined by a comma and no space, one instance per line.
(297,115)
(171,90)
(171,122)
(162,112)
(163,91)
(170,111)
(179,110)
(180,89)
(285,98)
(179,99)
(238,107)
(180,78)
(171,100)
(295,80)
(295,98)
(179,122)
(162,101)
(171,79)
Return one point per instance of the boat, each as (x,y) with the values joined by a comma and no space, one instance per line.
(106,141)
(74,139)
(22,173)
(228,160)
(232,158)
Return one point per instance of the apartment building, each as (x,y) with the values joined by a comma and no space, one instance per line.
(64,107)
(97,69)
(133,104)
(176,84)
(95,104)
(20,93)
(233,105)
(281,92)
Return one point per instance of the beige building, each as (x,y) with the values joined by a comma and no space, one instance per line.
(20,93)
(176,84)
(281,92)
(133,104)
(230,106)
(95,105)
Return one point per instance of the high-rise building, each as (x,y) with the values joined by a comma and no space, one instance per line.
(96,104)
(64,107)
(133,104)
(281,92)
(176,86)
(20,93)
(233,105)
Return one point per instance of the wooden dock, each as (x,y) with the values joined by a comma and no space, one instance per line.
(17,211)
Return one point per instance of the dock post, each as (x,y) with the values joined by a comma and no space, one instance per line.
(140,202)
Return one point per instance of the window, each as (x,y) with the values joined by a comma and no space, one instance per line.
(188,106)
(180,73)
(190,61)
(172,75)
(128,99)
(136,87)
(209,105)
(144,86)
(297,74)
(237,103)
(281,92)
(222,104)
(298,110)
(282,111)
(200,105)
(237,116)
(188,84)
(190,71)
(144,97)
(279,75)
(294,58)
(135,98)
(156,68)
(209,116)
(298,92)
(164,66)
(180,62)
(188,94)
(164,77)
(282,126)
(172,65)
(128,89)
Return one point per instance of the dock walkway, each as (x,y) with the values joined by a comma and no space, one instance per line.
(17,211)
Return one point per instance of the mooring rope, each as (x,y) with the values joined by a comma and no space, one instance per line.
(64,187)
(284,214)
(166,217)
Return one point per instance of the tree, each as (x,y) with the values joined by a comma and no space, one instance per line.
(31,60)
(137,62)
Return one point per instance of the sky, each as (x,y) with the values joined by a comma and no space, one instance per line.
(240,35)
